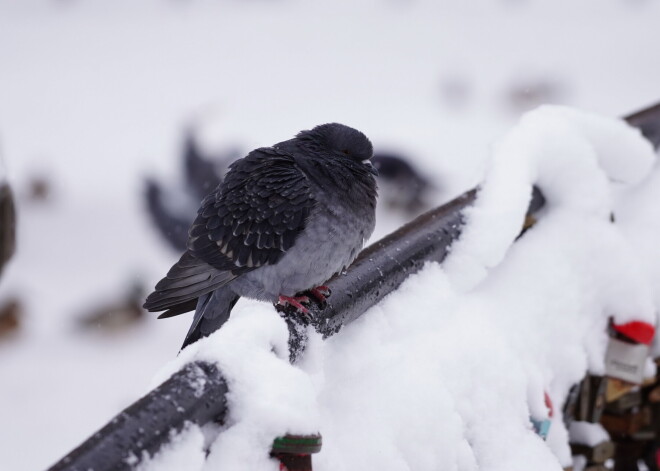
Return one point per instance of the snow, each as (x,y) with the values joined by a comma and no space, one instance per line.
(441,373)
(94,96)
(183,452)
(586,433)
(560,150)
(267,396)
(640,223)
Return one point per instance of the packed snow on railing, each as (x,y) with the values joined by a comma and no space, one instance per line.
(447,371)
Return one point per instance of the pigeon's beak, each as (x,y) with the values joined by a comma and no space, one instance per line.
(373,170)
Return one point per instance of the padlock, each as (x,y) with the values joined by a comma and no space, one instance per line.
(625,360)
(617,388)
(592,398)
(626,402)
(542,425)
(627,350)
(583,403)
(627,455)
(571,404)
(597,454)
(294,452)
(626,424)
(635,331)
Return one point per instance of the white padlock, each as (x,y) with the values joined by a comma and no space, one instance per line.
(625,360)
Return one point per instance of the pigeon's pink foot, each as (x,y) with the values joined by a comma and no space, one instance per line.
(297,302)
(320,294)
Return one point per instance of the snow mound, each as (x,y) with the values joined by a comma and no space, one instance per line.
(572,156)
(267,396)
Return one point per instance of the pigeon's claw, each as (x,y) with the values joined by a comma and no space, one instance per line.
(286,304)
(320,295)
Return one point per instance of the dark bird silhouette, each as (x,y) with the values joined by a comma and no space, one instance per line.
(7,224)
(202,173)
(283,221)
(402,187)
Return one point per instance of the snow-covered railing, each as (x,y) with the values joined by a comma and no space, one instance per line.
(197,393)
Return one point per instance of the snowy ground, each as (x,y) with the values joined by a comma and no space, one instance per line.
(94,96)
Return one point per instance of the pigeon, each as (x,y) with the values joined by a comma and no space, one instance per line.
(7,224)
(402,186)
(202,173)
(283,221)
(171,225)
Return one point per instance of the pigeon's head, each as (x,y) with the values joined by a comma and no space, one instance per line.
(340,141)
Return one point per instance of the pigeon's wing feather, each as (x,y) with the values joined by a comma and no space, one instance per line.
(188,279)
(256,216)
(252,219)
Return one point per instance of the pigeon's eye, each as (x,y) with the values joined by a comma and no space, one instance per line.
(346,151)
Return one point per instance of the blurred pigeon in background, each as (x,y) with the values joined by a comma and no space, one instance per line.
(171,225)
(202,173)
(172,211)
(118,313)
(11,310)
(401,187)
(7,224)
(284,220)
(530,89)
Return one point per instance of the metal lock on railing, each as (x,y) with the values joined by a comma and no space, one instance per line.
(591,399)
(542,425)
(597,454)
(629,424)
(627,351)
(625,403)
(295,451)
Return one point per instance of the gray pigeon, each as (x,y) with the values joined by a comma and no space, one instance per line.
(285,219)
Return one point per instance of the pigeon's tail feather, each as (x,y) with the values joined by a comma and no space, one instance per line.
(212,311)
(179,309)
(186,281)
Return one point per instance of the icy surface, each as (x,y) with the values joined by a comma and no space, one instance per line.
(95,94)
